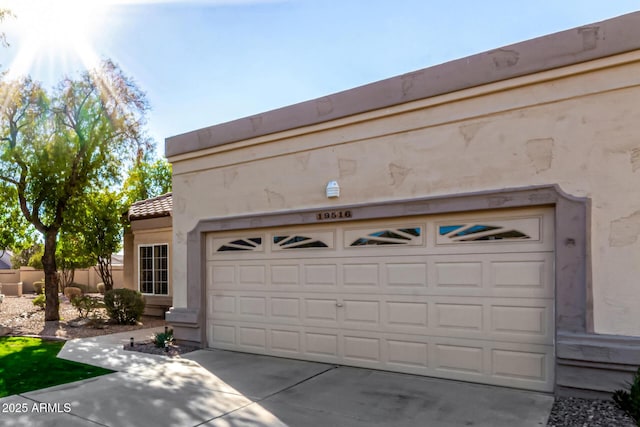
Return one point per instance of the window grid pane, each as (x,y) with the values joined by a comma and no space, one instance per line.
(154,271)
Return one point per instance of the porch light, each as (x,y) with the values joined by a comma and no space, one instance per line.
(333,189)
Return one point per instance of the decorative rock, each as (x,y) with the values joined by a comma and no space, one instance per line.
(4,331)
(79,323)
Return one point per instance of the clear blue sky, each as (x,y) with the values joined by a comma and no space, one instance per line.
(207,62)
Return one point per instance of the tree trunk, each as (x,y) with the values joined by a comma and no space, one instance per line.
(51,309)
(66,277)
(104,269)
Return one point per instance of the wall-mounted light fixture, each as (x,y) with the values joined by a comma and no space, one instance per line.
(333,189)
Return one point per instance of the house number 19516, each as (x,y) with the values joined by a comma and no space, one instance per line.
(323,216)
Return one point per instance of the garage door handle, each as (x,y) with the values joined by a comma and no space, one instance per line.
(339,304)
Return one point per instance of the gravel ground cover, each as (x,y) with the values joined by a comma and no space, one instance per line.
(19,314)
(574,412)
(23,318)
(173,350)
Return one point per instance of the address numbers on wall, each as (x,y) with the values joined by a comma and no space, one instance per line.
(329,215)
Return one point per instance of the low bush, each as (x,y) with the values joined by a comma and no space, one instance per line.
(124,306)
(40,300)
(38,286)
(161,337)
(86,305)
(84,288)
(629,401)
(100,287)
(72,292)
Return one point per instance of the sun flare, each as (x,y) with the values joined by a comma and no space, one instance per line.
(54,31)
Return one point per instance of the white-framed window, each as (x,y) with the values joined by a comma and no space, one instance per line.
(153,272)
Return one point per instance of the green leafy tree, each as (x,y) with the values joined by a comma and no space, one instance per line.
(16,233)
(35,260)
(4,14)
(55,149)
(22,256)
(146,179)
(71,255)
(102,231)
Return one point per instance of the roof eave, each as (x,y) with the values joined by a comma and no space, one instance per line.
(594,41)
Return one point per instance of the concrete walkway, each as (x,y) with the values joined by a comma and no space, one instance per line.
(220,388)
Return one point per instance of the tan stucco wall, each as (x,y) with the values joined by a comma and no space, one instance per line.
(83,276)
(128,260)
(577,126)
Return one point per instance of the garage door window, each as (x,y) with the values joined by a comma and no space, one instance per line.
(504,230)
(248,244)
(298,242)
(154,272)
(308,240)
(386,237)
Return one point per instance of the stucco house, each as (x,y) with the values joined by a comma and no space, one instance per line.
(147,252)
(478,220)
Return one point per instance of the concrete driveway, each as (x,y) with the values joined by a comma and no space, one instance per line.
(220,388)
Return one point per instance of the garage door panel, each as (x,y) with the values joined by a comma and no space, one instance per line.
(252,337)
(319,311)
(406,274)
(407,316)
(252,306)
(439,305)
(512,275)
(221,276)
(519,364)
(502,319)
(220,334)
(459,274)
(285,341)
(466,359)
(321,275)
(285,308)
(407,354)
(517,274)
(361,275)
(361,313)
(361,349)
(321,344)
(468,317)
(221,304)
(520,320)
(285,275)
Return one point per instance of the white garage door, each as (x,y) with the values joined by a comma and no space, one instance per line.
(467,297)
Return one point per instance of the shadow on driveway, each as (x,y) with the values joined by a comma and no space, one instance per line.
(221,388)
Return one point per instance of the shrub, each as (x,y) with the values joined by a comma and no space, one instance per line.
(124,306)
(85,305)
(160,337)
(84,288)
(38,286)
(629,401)
(72,292)
(40,300)
(100,287)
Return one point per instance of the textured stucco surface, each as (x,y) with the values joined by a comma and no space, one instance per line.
(577,126)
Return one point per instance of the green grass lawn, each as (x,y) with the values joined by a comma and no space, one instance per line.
(28,364)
